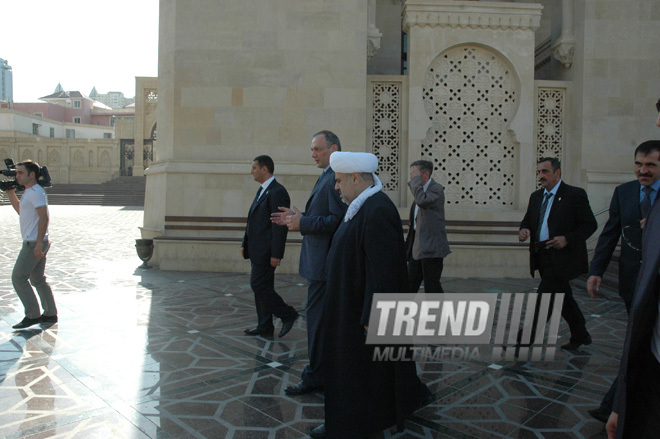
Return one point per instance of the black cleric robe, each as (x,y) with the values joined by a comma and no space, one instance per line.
(367,256)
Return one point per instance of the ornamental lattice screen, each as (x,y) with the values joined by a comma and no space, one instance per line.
(550,114)
(386,131)
(470,95)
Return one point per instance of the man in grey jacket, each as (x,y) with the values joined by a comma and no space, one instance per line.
(426,243)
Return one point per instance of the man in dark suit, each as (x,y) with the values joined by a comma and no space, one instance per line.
(263,243)
(323,213)
(558,222)
(630,203)
(636,411)
(426,243)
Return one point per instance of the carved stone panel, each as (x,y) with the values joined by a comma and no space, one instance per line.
(386,131)
(471,95)
(550,122)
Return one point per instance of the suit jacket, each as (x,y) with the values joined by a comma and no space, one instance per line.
(430,238)
(324,212)
(263,239)
(641,322)
(570,216)
(624,211)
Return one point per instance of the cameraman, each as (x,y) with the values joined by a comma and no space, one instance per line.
(33,216)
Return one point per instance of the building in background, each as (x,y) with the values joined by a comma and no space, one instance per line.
(6,82)
(113,99)
(75,136)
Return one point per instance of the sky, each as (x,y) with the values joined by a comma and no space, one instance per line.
(78,43)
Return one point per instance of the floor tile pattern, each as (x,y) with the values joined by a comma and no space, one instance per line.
(154,354)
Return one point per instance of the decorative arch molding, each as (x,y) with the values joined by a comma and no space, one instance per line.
(471,94)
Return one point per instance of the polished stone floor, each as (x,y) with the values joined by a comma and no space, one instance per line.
(154,354)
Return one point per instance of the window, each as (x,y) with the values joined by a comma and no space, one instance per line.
(52,132)
(70,134)
(76,104)
(35,128)
(76,120)
(107,135)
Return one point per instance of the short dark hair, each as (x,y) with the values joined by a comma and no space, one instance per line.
(330,138)
(264,160)
(31,167)
(657,105)
(648,147)
(424,166)
(554,162)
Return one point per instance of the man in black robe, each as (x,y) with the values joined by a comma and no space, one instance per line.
(367,256)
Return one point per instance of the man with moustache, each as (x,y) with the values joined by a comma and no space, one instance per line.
(636,411)
(367,256)
(631,203)
(323,213)
(558,223)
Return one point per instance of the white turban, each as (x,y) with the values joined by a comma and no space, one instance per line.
(349,162)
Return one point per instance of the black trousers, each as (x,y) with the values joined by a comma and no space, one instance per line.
(552,282)
(427,269)
(643,414)
(266,299)
(313,373)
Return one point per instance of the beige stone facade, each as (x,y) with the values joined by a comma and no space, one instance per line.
(481,88)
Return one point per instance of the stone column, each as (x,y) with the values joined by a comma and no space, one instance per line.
(240,78)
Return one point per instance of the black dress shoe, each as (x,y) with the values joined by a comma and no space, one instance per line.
(26,323)
(318,432)
(301,388)
(287,325)
(574,344)
(262,332)
(600,414)
(48,319)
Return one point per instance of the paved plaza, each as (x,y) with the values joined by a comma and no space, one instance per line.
(155,354)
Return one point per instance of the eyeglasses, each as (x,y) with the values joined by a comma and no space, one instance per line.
(632,233)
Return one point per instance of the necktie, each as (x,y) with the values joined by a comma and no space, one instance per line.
(254,202)
(544,207)
(645,205)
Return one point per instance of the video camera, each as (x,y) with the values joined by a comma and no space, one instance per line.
(43,179)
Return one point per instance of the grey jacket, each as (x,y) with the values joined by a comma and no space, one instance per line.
(430,238)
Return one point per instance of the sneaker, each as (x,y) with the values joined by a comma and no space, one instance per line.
(26,323)
(48,319)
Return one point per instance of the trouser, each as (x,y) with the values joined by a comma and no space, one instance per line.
(552,283)
(313,373)
(643,412)
(427,269)
(29,267)
(266,299)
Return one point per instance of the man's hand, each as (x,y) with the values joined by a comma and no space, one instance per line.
(593,283)
(39,250)
(242,253)
(274,262)
(293,219)
(610,427)
(642,223)
(523,234)
(415,172)
(557,242)
(279,218)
